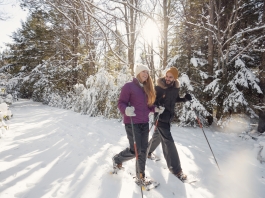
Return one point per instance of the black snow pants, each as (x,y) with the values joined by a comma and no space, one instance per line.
(162,134)
(141,132)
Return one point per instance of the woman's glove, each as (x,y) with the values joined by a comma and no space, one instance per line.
(159,109)
(188,97)
(129,111)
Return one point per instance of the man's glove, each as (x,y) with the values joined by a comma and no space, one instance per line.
(188,97)
(129,111)
(159,109)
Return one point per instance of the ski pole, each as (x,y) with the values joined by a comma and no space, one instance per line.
(136,153)
(200,124)
(153,122)
(156,121)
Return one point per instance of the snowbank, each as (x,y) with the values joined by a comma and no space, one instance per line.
(5,114)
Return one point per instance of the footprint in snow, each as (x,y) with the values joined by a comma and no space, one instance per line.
(30,184)
(43,165)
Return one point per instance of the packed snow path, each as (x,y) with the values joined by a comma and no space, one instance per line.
(51,152)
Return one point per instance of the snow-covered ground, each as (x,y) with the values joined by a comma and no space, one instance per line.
(50,152)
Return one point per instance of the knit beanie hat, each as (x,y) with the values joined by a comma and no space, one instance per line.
(140,68)
(174,72)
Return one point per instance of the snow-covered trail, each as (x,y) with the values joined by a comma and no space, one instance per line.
(50,152)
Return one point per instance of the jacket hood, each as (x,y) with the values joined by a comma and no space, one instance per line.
(161,83)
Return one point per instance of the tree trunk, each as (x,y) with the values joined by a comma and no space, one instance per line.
(165,33)
(130,19)
(210,61)
(261,125)
(152,64)
(189,40)
(75,49)
(220,106)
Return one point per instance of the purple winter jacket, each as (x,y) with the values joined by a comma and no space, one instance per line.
(134,94)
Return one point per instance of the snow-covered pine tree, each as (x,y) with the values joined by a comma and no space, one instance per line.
(235,31)
(185,112)
(123,76)
(238,94)
(100,96)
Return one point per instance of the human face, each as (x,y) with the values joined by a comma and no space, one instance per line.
(143,76)
(169,78)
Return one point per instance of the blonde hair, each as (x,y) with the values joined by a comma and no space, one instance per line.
(149,90)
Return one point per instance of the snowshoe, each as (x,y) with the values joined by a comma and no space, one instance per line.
(145,183)
(185,179)
(181,176)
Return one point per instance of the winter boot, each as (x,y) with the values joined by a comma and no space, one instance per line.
(182,177)
(149,155)
(116,167)
(152,156)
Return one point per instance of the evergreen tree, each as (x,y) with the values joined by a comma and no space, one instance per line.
(33,44)
(261,104)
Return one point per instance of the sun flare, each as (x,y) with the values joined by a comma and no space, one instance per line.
(150,32)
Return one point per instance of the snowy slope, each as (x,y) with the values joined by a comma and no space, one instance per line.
(50,152)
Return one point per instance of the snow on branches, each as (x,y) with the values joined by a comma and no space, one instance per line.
(98,98)
(243,80)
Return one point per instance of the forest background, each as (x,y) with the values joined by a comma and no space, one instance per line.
(77,54)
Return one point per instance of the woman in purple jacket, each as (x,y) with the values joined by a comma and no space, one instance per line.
(136,101)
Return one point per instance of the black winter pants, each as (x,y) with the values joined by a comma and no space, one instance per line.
(141,132)
(162,134)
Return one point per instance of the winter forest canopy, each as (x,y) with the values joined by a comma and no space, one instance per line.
(77,54)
